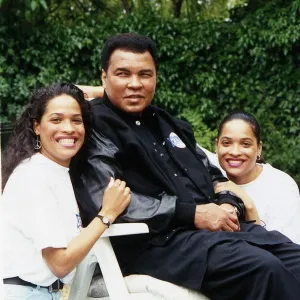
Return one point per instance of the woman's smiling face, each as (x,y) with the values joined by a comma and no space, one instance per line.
(61,129)
(237,150)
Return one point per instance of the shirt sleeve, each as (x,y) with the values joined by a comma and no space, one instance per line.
(91,180)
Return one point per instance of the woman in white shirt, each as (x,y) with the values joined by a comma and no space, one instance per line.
(274,193)
(43,241)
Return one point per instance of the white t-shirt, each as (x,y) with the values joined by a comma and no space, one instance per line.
(39,210)
(276,197)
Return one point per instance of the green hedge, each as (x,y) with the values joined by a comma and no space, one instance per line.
(206,69)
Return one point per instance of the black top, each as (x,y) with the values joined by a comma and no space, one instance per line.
(156,155)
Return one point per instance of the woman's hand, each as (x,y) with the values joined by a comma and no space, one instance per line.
(115,199)
(61,261)
(251,211)
(232,187)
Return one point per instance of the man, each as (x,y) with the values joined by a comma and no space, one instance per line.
(197,239)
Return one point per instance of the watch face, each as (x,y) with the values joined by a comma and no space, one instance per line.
(105,220)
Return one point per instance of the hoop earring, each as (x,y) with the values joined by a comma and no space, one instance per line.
(38,144)
(258,157)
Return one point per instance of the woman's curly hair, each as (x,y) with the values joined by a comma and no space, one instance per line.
(21,144)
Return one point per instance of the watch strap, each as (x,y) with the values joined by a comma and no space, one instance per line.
(104,220)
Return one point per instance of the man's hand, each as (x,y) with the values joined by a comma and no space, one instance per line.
(228,207)
(216,218)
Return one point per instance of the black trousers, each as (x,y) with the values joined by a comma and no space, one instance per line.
(249,265)
(241,271)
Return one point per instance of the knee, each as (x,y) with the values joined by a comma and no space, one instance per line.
(271,264)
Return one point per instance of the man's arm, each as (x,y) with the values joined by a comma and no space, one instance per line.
(92,177)
(92,92)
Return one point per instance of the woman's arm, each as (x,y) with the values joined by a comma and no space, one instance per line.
(251,211)
(61,261)
(92,91)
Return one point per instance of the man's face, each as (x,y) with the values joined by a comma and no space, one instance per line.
(130,80)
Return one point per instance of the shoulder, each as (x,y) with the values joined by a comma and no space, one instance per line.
(98,140)
(37,170)
(279,180)
(95,103)
(180,124)
(275,173)
(27,179)
(99,108)
(29,169)
(96,107)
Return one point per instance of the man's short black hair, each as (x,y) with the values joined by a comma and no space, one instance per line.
(131,42)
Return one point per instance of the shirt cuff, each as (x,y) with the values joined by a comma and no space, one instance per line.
(185,213)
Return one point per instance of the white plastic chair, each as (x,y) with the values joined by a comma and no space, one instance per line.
(139,287)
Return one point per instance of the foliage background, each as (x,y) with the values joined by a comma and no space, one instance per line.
(214,58)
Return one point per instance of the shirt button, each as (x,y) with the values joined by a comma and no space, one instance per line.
(163,143)
(154,144)
(138,123)
(161,154)
(155,150)
(185,169)
(175,174)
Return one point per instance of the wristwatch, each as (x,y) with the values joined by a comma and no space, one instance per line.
(104,220)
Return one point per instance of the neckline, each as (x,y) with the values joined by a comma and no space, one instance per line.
(258,177)
(40,157)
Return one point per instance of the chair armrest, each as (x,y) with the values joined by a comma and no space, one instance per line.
(106,257)
(103,253)
(125,229)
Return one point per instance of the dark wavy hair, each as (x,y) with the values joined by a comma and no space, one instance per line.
(248,118)
(131,42)
(22,142)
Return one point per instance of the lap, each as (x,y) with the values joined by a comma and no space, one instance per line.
(235,254)
(238,267)
(189,255)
